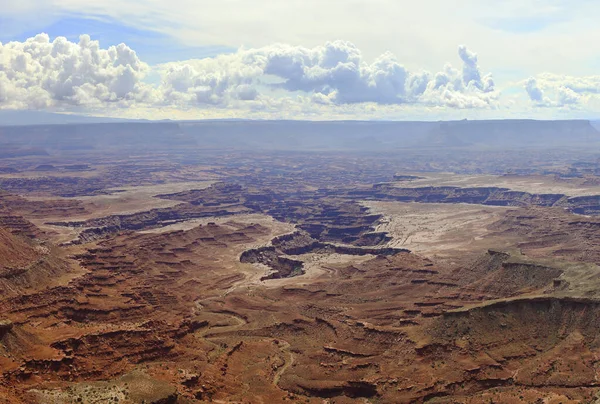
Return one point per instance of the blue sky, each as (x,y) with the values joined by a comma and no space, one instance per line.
(380,58)
(153,47)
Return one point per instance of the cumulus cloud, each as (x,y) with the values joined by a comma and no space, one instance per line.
(562,90)
(335,73)
(38,73)
(336,70)
(535,93)
(452,88)
(339,72)
(580,85)
(471,73)
(566,96)
(211,81)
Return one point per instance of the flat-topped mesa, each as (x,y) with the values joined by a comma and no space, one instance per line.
(492,196)
(102,227)
(401,177)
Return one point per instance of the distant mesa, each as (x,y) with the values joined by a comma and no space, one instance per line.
(400,177)
(45,167)
(362,136)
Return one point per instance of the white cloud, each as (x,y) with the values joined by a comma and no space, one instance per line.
(278,80)
(471,73)
(578,84)
(535,93)
(564,90)
(211,81)
(38,73)
(335,73)
(566,96)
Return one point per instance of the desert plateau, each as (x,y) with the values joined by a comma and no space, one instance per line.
(193,272)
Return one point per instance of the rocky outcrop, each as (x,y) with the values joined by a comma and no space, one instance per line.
(5,327)
(96,229)
(299,243)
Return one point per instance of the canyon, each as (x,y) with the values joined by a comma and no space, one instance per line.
(202,268)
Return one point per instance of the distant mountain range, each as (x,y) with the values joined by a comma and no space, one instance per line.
(352,136)
(10,117)
(24,118)
(33,132)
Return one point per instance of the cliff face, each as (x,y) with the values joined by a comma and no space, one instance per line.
(14,251)
(492,196)
(25,265)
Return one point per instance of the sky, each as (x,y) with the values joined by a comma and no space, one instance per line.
(302,59)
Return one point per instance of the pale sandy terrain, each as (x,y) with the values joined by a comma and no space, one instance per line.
(122,201)
(237,221)
(127,200)
(435,228)
(532,184)
(59,234)
(450,230)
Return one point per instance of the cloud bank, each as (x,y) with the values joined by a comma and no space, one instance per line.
(335,73)
(278,80)
(39,73)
